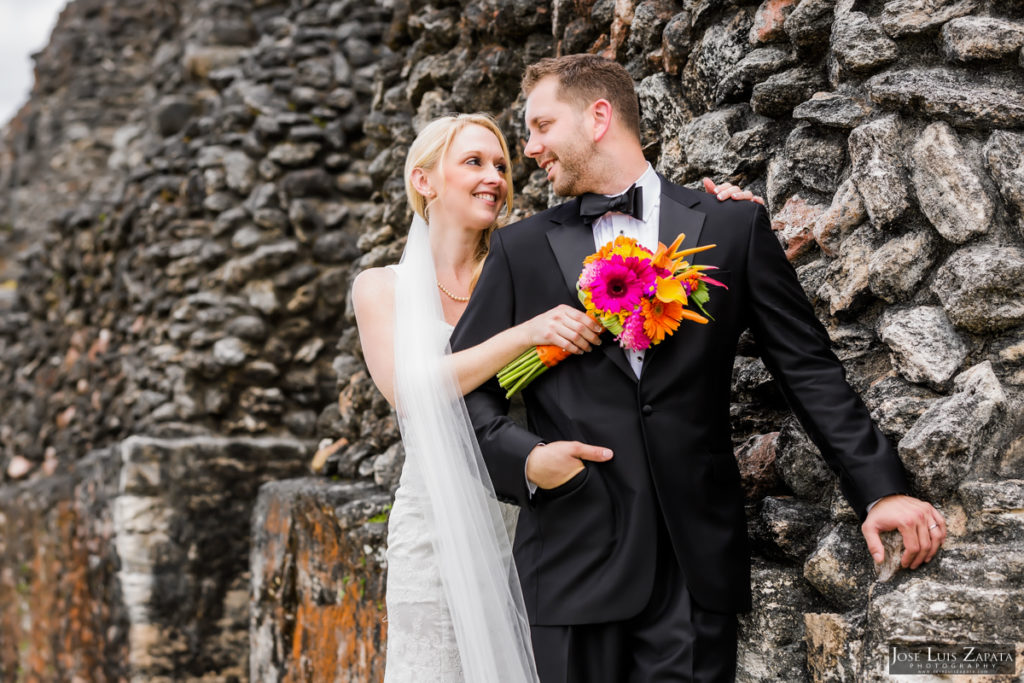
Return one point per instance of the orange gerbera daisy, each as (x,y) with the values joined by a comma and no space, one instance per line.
(661,318)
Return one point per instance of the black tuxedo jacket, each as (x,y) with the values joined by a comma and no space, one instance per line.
(586,550)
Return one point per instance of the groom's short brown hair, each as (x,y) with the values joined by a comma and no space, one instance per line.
(585,78)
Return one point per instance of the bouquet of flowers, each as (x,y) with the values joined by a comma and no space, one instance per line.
(638,296)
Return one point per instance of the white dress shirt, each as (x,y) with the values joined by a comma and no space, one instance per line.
(614,224)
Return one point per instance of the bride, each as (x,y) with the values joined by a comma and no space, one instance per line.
(455,608)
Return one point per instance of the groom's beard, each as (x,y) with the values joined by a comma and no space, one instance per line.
(573,176)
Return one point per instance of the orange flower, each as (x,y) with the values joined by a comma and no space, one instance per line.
(661,318)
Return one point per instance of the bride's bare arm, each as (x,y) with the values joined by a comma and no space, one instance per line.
(373,299)
(563,326)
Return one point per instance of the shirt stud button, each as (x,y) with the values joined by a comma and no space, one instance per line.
(646,410)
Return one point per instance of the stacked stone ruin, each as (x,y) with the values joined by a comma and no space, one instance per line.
(192,186)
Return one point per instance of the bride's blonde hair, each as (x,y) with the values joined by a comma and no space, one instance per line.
(428,150)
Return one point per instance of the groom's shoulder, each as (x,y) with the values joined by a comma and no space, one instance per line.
(727,213)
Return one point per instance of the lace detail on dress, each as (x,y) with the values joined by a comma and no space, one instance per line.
(421,645)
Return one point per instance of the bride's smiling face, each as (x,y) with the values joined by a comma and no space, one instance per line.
(470,182)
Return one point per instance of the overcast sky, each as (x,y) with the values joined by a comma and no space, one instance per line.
(25,27)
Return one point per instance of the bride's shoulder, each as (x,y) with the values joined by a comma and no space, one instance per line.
(374,283)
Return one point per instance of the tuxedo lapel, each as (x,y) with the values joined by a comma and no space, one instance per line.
(572,241)
(676,216)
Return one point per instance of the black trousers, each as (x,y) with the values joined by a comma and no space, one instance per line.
(671,639)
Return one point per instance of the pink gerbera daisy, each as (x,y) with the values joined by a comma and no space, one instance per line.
(617,284)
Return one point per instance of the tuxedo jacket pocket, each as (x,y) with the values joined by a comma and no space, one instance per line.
(576,481)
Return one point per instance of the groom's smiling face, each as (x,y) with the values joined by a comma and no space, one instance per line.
(558,140)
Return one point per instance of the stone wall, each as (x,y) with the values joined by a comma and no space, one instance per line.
(192,186)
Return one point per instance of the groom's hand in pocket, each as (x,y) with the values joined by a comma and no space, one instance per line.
(551,465)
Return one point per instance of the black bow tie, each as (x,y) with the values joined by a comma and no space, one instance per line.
(593,206)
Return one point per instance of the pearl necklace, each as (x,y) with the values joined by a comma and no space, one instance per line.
(462,299)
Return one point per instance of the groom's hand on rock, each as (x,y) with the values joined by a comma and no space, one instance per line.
(922,527)
(551,465)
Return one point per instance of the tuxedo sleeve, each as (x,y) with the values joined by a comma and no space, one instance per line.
(503,444)
(796,349)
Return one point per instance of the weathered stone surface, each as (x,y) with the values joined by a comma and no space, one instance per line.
(859,46)
(967,38)
(834,649)
(809,22)
(878,170)
(834,109)
(1004,156)
(704,142)
(841,568)
(959,97)
(769,21)
(899,265)
(756,460)
(317,582)
(846,281)
(846,212)
(779,93)
(755,66)
(903,17)
(713,56)
(949,191)
(800,463)
(772,633)
(980,287)
(934,612)
(788,527)
(941,447)
(795,224)
(925,346)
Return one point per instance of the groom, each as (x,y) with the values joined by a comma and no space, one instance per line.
(631,544)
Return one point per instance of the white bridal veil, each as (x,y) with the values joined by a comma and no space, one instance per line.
(471,541)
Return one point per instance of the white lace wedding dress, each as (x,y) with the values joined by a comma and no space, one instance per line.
(421,645)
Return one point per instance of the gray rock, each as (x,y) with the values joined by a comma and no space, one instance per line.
(810,22)
(719,49)
(928,611)
(704,141)
(771,636)
(387,467)
(800,464)
(949,191)
(662,113)
(841,568)
(859,46)
(963,98)
(249,236)
(757,65)
(846,281)
(904,17)
(943,444)
(967,38)
(266,259)
(878,171)
(834,109)
(779,93)
(980,287)
(899,265)
(248,327)
(294,154)
(172,114)
(925,347)
(240,172)
(1011,461)
(1004,157)
(896,415)
(788,527)
(817,157)
(676,41)
(847,211)
(230,351)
